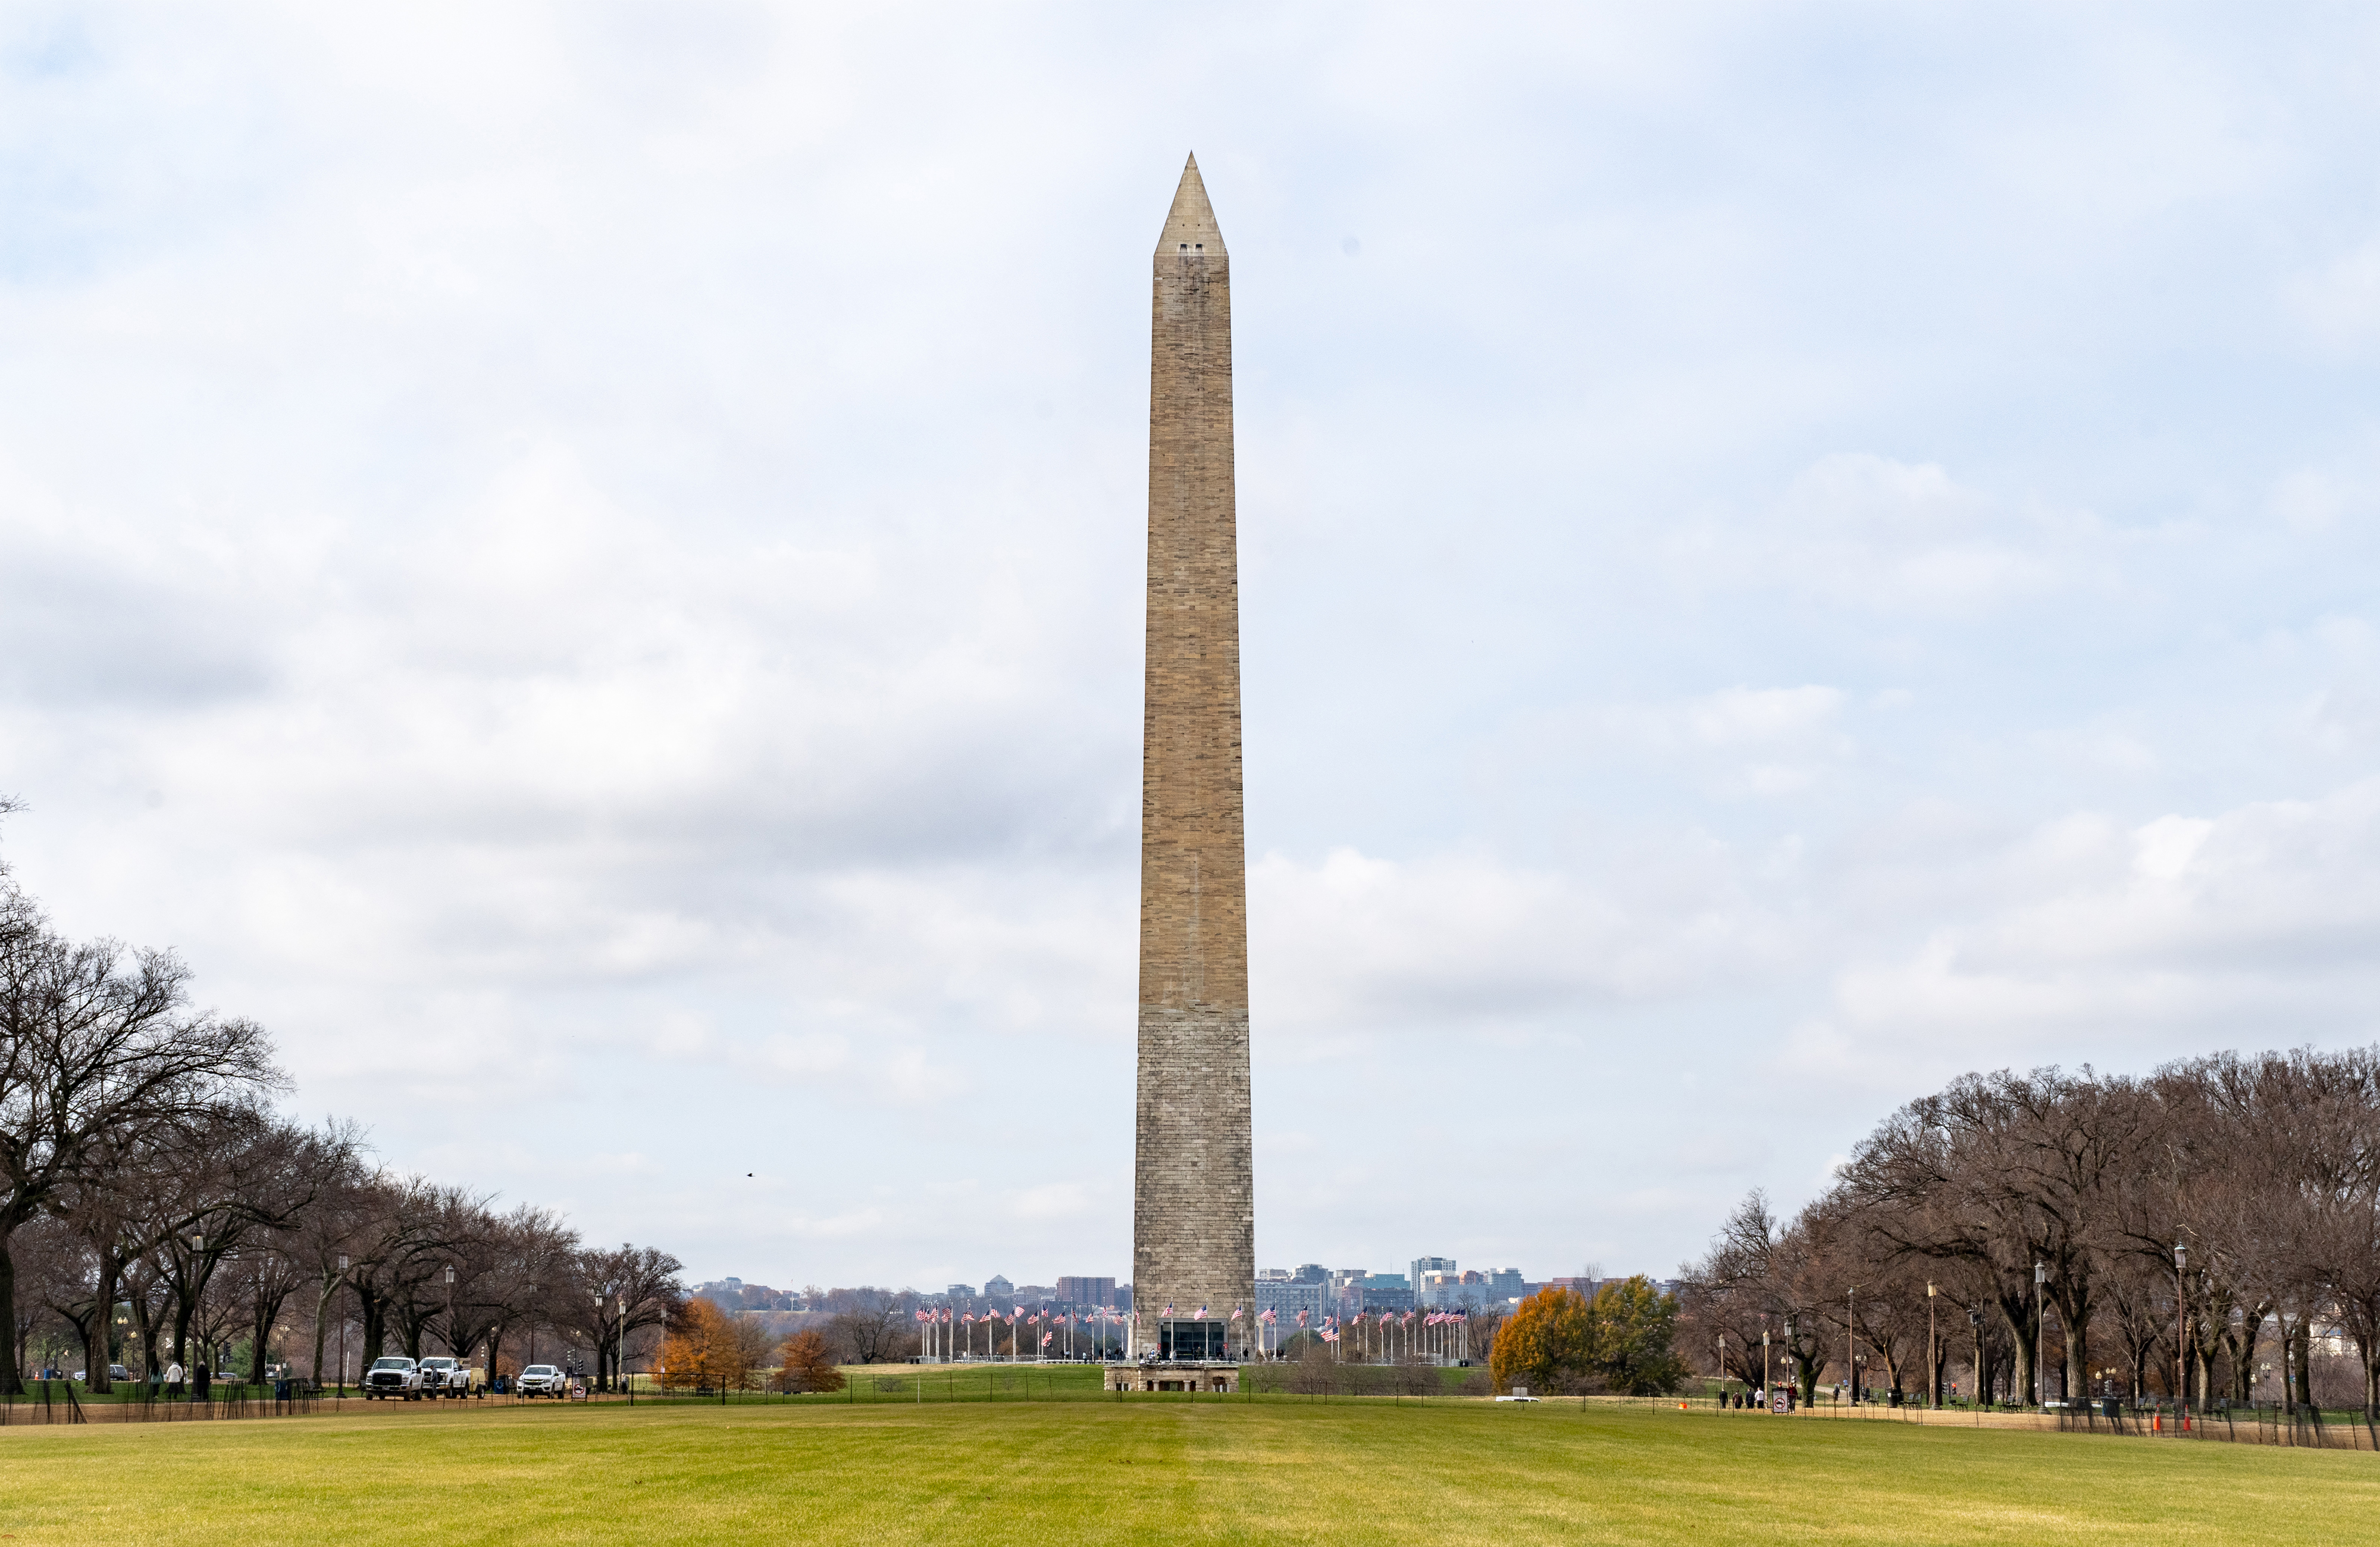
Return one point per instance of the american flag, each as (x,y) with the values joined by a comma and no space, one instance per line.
(1202,1314)
(1169,1310)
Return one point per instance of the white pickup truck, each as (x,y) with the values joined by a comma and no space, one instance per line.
(543,1379)
(392,1375)
(443,1376)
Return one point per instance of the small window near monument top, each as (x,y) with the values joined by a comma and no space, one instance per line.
(1186,247)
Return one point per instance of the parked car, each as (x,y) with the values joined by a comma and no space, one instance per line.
(543,1379)
(392,1375)
(444,1377)
(115,1372)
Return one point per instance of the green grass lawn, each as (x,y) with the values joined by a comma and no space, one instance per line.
(1278,1469)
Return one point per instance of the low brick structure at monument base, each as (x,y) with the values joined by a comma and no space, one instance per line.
(1173,1375)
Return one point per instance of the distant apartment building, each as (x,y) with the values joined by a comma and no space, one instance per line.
(1285,1297)
(1384,1292)
(960,1294)
(1425,1266)
(1087,1292)
(1449,1290)
(1506,1283)
(1310,1273)
(998,1289)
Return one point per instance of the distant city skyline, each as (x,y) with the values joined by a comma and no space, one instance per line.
(1092,1289)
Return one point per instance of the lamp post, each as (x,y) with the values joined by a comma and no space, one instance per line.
(1851,1343)
(2181,1327)
(201,1370)
(600,1294)
(1764,1369)
(2040,1333)
(343,1332)
(1793,1359)
(1722,1370)
(1976,1324)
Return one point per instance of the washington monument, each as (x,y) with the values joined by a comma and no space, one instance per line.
(1194,1192)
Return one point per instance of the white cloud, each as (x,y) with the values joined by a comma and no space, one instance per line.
(2339,304)
(1868,531)
(2244,929)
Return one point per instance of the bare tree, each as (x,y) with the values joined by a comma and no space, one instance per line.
(619,1293)
(870,1326)
(97,1041)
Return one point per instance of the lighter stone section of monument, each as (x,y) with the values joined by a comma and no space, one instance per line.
(1194,1192)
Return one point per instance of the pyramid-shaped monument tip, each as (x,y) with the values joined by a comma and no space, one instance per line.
(1190,228)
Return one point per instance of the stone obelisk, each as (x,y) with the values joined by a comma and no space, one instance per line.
(1194,1184)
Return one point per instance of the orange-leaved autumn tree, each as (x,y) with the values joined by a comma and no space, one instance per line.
(703,1348)
(1547,1340)
(808,1366)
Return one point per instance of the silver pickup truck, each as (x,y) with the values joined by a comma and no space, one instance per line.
(392,1375)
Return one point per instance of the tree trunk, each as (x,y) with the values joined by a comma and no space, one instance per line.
(11,1377)
(2020,1317)
(263,1311)
(321,1305)
(144,1327)
(103,1322)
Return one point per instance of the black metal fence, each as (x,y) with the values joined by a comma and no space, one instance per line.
(2272,1425)
(58,1402)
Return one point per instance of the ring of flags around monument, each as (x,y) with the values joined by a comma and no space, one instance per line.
(948,1334)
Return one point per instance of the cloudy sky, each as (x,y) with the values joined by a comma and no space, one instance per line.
(582,562)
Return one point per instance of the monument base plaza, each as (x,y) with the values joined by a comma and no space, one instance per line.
(1174,1376)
